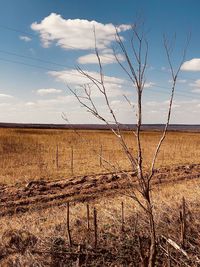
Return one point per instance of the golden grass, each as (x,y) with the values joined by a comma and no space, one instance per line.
(29,154)
(166,201)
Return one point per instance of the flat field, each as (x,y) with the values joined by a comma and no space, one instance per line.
(34,154)
(42,170)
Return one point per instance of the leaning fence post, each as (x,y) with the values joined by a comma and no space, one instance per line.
(68,226)
(183,222)
(95,228)
(72,160)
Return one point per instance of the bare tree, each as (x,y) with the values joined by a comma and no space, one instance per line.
(135,67)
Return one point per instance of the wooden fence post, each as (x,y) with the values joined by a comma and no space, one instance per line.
(135,224)
(57,156)
(122,214)
(168,255)
(88,217)
(79,260)
(101,153)
(68,226)
(95,228)
(183,222)
(72,160)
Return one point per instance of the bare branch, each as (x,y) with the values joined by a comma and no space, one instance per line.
(174,75)
(135,68)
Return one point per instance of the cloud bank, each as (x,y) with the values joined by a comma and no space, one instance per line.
(76,33)
(105,59)
(25,38)
(48,91)
(191,65)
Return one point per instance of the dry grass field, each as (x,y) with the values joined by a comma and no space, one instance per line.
(31,154)
(40,238)
(63,165)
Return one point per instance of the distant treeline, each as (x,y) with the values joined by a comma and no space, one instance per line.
(146,127)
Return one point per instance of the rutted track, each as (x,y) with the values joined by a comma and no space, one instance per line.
(43,194)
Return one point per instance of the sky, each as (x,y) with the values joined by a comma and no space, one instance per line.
(42,43)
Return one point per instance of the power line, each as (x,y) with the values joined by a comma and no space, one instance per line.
(180,76)
(176,93)
(66,66)
(54,63)
(79,75)
(15,30)
(46,39)
(33,58)
(26,64)
(64,44)
(34,36)
(57,64)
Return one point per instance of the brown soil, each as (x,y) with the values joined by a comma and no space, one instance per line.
(42,194)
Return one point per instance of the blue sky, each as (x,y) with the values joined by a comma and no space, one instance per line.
(43,41)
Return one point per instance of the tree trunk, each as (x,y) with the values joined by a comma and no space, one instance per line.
(152,250)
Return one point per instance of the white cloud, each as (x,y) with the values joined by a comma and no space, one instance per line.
(181,81)
(191,65)
(191,102)
(149,84)
(163,104)
(120,106)
(112,90)
(30,104)
(56,101)
(5,96)
(115,102)
(48,91)
(197,90)
(75,33)
(74,77)
(114,86)
(178,81)
(151,103)
(24,38)
(3,105)
(50,111)
(105,59)
(196,84)
(52,102)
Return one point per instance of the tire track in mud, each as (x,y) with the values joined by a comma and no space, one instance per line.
(43,194)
